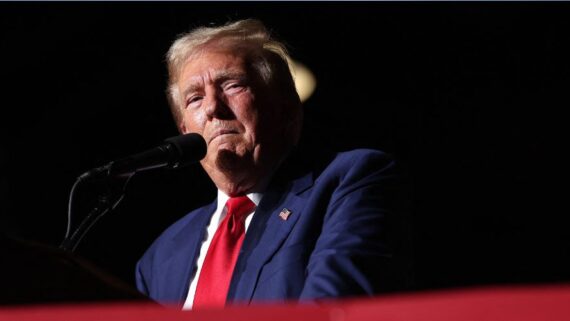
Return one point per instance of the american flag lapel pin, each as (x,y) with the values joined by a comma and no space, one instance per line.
(284,214)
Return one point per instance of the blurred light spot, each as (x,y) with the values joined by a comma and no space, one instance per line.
(305,81)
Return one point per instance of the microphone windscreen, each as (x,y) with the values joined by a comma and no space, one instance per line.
(190,147)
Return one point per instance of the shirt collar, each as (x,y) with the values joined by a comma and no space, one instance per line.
(223,198)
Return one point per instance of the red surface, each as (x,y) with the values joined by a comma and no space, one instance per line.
(550,303)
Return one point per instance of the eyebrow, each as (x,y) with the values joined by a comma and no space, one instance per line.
(219,77)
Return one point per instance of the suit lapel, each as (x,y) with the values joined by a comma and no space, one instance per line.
(184,253)
(266,234)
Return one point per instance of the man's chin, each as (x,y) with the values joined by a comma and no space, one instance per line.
(228,160)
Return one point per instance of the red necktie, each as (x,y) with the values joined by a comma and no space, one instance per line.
(218,267)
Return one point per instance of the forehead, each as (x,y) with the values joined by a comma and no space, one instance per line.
(210,65)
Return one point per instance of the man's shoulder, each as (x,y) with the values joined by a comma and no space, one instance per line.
(363,155)
(358,162)
(325,165)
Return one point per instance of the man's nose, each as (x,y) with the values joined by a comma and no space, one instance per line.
(217,107)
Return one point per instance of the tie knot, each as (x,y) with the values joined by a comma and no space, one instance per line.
(239,206)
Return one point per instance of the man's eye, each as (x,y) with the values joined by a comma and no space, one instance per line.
(234,86)
(193,100)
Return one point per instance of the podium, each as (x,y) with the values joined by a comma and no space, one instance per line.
(33,273)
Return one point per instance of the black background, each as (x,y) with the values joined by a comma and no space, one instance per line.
(469,97)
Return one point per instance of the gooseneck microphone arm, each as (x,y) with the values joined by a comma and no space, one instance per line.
(106,202)
(175,152)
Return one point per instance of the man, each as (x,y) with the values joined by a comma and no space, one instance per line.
(290,222)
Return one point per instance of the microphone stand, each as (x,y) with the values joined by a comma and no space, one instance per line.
(106,202)
(175,152)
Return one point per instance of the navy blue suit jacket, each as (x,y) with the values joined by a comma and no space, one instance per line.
(338,240)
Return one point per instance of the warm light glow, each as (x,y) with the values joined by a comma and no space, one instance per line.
(305,81)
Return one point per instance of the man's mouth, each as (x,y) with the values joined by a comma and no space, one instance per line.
(221,132)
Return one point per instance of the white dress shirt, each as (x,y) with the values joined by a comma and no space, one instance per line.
(215,221)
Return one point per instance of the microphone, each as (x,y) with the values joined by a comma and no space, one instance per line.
(175,152)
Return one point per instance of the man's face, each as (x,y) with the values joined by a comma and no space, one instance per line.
(224,100)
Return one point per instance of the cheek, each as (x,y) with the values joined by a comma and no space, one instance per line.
(268,120)
(248,114)
(194,121)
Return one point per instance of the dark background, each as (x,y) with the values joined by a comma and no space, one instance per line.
(469,97)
